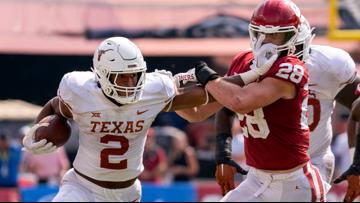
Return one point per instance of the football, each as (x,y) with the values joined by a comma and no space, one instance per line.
(58,131)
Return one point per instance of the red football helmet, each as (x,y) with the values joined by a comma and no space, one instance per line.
(276,16)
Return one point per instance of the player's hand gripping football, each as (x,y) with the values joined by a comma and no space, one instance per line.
(225,175)
(352,175)
(40,147)
(264,56)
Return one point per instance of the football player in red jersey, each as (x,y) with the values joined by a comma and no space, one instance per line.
(271,111)
(332,78)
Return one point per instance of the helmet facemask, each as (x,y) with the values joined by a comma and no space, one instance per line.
(304,40)
(273,17)
(291,35)
(121,94)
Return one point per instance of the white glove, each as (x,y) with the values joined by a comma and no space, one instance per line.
(164,72)
(181,79)
(264,57)
(41,147)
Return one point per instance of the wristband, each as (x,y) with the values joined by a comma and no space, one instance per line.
(223,148)
(249,76)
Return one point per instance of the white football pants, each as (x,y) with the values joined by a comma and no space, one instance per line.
(75,188)
(302,185)
(325,162)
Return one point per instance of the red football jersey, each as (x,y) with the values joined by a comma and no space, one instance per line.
(277,135)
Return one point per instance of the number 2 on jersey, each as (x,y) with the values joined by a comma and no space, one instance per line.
(105,153)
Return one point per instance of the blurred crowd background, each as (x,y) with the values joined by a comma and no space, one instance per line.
(41,40)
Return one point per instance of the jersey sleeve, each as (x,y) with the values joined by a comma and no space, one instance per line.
(168,86)
(233,66)
(289,69)
(64,91)
(238,63)
(67,92)
(343,67)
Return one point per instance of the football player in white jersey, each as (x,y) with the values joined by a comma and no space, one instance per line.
(113,106)
(333,79)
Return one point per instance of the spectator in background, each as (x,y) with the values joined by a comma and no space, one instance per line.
(199,133)
(155,161)
(183,164)
(49,168)
(202,137)
(10,156)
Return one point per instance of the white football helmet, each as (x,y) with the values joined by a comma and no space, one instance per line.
(118,55)
(276,16)
(304,40)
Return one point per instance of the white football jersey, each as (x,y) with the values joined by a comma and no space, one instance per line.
(112,137)
(330,69)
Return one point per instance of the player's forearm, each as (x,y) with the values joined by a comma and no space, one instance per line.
(199,113)
(351,132)
(356,155)
(53,107)
(355,111)
(47,110)
(235,79)
(353,126)
(189,97)
(223,121)
(228,94)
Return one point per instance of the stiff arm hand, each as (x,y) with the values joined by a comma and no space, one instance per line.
(264,57)
(181,79)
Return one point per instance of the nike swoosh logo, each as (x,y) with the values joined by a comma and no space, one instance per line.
(141,112)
